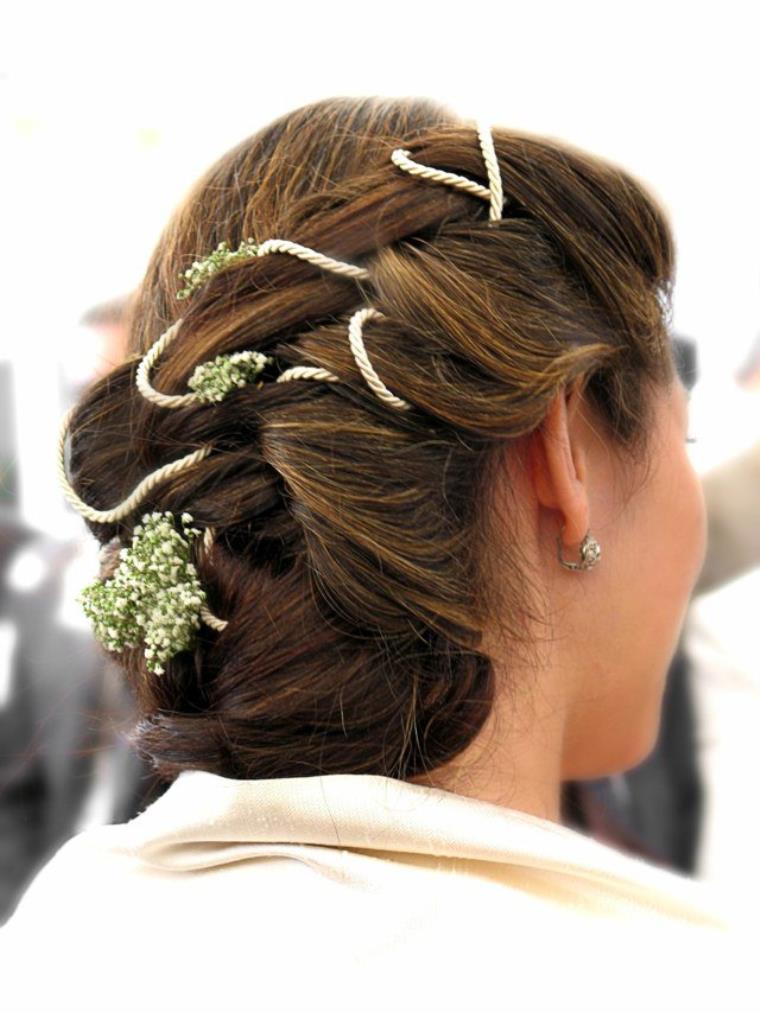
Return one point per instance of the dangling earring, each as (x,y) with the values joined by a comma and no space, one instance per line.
(590,552)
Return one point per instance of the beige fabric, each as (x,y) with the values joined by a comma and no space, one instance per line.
(353,892)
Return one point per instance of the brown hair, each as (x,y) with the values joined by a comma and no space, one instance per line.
(352,538)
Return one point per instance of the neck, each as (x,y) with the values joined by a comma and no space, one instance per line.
(516,759)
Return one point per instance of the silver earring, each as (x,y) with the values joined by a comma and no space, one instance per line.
(590,552)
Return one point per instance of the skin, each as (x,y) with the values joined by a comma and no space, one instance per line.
(589,704)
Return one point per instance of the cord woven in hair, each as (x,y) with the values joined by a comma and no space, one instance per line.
(401,158)
(313,257)
(136,496)
(149,360)
(493,193)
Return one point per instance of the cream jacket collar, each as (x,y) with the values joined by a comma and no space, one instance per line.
(204,820)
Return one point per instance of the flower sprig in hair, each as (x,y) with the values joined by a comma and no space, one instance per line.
(203,269)
(212,381)
(154,596)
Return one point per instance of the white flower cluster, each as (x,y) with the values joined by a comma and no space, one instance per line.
(202,270)
(154,596)
(212,381)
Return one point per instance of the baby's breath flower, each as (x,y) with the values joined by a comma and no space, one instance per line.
(154,596)
(202,270)
(212,381)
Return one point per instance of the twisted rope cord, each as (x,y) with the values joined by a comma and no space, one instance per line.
(208,539)
(493,193)
(313,257)
(356,341)
(492,168)
(217,624)
(108,550)
(307,372)
(403,160)
(136,496)
(149,360)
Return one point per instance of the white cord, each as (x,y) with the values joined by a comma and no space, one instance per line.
(313,257)
(306,372)
(492,168)
(135,497)
(493,193)
(400,157)
(356,341)
(125,507)
(149,360)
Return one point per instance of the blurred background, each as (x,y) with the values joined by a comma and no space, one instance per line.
(110,112)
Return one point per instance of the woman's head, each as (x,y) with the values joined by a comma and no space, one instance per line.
(359,559)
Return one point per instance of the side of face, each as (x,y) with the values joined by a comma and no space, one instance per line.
(629,609)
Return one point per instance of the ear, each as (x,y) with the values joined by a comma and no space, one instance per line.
(558,463)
